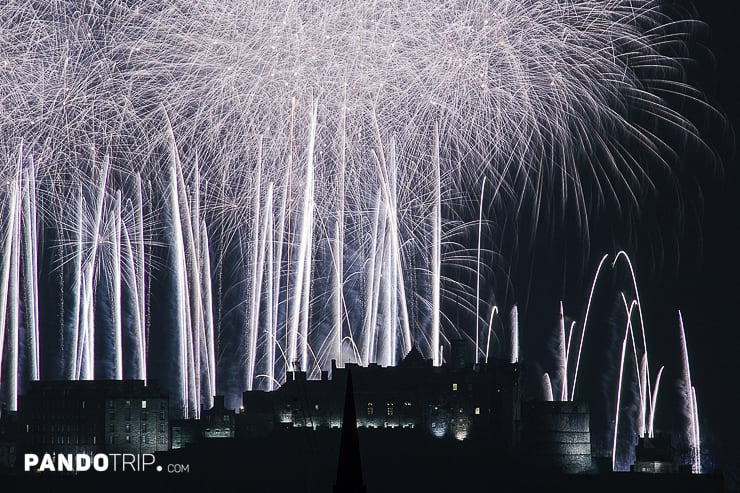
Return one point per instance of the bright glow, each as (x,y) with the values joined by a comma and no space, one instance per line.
(310,154)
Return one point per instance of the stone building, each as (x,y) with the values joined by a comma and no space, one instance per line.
(115,416)
(556,436)
(451,401)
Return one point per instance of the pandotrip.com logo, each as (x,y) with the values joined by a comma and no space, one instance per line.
(76,463)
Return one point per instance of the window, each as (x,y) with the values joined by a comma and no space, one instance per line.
(143,403)
(161,427)
(128,427)
(128,438)
(144,428)
(112,427)
(161,439)
(477,410)
(128,404)
(112,416)
(454,387)
(370,409)
(144,416)
(110,405)
(389,409)
(112,439)
(161,414)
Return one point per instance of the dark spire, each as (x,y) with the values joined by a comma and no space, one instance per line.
(349,469)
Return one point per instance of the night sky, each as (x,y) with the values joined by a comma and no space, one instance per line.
(708,289)
(684,241)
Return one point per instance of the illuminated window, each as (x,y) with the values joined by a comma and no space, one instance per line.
(143,404)
(128,427)
(370,409)
(389,409)
(128,438)
(477,410)
(454,387)
(128,404)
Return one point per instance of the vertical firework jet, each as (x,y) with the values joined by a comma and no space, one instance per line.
(312,158)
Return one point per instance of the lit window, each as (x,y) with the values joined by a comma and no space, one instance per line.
(389,410)
(370,409)
(454,387)
(128,404)
(143,404)
(128,438)
(477,410)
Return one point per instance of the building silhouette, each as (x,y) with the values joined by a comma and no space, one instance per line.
(448,402)
(92,416)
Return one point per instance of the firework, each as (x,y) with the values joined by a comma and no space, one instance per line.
(305,155)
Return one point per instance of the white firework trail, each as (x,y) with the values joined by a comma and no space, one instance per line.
(535,96)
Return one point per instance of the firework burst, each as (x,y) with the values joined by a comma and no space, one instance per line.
(308,157)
